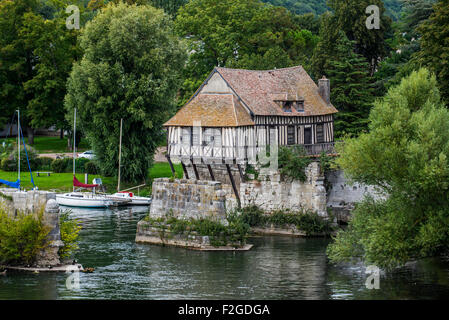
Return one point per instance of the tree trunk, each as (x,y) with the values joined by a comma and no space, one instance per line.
(61,134)
(30,132)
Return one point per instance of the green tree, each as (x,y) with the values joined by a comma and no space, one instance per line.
(405,45)
(350,16)
(406,155)
(56,49)
(434,52)
(16,60)
(325,49)
(36,56)
(130,70)
(239,34)
(351,87)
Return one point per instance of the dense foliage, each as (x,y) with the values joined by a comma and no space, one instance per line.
(239,34)
(352,88)
(308,222)
(130,70)
(406,155)
(70,229)
(435,47)
(293,162)
(21,237)
(319,6)
(36,56)
(219,234)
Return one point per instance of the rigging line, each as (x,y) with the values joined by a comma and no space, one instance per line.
(28,161)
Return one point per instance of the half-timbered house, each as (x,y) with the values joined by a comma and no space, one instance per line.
(236,112)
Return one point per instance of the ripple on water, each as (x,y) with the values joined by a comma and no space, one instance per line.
(276,268)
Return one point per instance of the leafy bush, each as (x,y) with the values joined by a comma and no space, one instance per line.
(21,237)
(309,222)
(9,159)
(44,163)
(58,166)
(219,234)
(66,165)
(70,229)
(252,215)
(8,165)
(5,150)
(251,170)
(91,168)
(292,162)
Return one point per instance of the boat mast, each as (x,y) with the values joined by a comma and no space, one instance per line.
(120,154)
(18,143)
(74,146)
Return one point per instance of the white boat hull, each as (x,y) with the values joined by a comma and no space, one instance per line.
(135,200)
(84,201)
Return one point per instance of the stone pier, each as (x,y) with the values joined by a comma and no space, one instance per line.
(31,202)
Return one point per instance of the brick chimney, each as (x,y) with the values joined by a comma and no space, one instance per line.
(324,88)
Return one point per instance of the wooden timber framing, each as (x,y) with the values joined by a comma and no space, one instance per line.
(171,165)
(185,170)
(197,176)
(234,187)
(211,172)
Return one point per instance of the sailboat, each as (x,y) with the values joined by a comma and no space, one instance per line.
(16,184)
(126,195)
(82,199)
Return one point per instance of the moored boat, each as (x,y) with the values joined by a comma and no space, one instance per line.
(83,199)
(134,200)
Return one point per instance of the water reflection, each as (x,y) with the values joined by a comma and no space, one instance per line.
(276,268)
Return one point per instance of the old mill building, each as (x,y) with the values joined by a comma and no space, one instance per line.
(236,112)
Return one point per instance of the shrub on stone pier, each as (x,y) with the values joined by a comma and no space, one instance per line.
(306,221)
(22,237)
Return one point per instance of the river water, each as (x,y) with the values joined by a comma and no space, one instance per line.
(276,268)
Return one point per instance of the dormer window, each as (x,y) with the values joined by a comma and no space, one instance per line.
(287,106)
(300,106)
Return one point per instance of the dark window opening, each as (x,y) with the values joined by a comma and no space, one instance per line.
(320,133)
(290,135)
(300,106)
(307,135)
(287,106)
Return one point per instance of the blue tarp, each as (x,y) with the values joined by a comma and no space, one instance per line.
(11,184)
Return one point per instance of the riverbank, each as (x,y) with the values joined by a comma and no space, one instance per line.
(63,182)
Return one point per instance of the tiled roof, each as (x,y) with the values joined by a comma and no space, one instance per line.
(213,110)
(259,89)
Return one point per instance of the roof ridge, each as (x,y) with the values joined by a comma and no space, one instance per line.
(270,70)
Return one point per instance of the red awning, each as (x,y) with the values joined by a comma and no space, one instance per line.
(76,183)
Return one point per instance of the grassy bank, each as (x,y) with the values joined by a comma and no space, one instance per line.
(63,181)
(44,144)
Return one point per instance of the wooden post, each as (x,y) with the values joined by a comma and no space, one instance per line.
(234,187)
(171,165)
(197,176)
(211,173)
(185,170)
